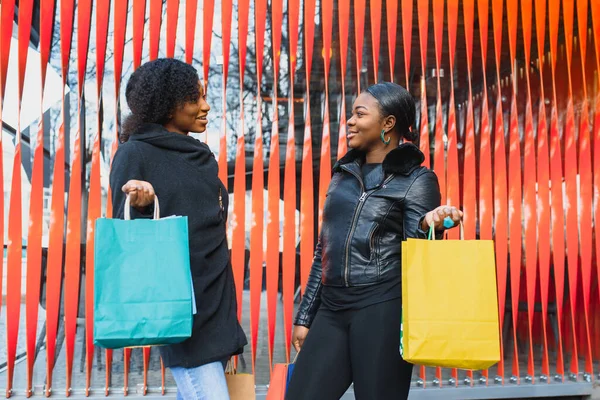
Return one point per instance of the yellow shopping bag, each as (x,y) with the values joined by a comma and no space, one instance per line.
(450,304)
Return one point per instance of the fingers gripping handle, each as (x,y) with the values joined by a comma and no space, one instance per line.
(128,208)
(447,221)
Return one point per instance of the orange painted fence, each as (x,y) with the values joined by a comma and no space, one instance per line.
(515,143)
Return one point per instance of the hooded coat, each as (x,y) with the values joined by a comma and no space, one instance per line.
(184,174)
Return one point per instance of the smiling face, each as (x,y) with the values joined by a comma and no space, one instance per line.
(190,116)
(366,124)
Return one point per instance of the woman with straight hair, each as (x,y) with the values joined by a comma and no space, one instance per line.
(347,329)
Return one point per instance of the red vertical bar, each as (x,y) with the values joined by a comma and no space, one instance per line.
(94,212)
(343,21)
(452,171)
(500,188)
(73,239)
(120,24)
(108,374)
(486,201)
(407,23)
(571,186)
(325,162)
(543,206)
(391,12)
(529,185)
(470,169)
(36,205)
(13,283)
(596,35)
(120,21)
(55,250)
(146,355)
(155,19)
(514,183)
(289,184)
(571,223)
(558,239)
(126,362)
(529,214)
(515,224)
(452,179)
(375,11)
(162,377)
(102,17)
(208,13)
(543,181)
(274,187)
(172,18)
(359,34)
(423,11)
(95,195)
(486,213)
(306,197)
(556,177)
(6,28)
(226,10)
(258,184)
(139,20)
(191,9)
(469,178)
(423,14)
(238,240)
(585,184)
(439,157)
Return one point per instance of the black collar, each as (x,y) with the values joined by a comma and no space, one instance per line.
(402,160)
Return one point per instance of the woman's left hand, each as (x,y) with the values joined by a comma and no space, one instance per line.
(437,216)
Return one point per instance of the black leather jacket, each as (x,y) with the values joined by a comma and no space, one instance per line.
(365,220)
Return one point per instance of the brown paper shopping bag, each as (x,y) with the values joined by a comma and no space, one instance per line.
(241,386)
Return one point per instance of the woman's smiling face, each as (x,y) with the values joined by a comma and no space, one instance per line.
(192,116)
(366,123)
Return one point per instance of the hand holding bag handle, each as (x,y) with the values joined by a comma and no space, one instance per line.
(431,235)
(240,386)
(128,208)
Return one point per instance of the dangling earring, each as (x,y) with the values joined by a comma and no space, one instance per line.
(383,139)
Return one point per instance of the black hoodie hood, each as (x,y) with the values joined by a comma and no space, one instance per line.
(192,150)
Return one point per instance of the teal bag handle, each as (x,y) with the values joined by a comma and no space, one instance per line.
(128,208)
(448,224)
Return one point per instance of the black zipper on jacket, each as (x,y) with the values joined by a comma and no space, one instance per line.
(361,202)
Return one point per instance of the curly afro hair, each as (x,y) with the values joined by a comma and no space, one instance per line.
(155,90)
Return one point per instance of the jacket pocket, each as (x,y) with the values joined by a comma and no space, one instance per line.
(373,243)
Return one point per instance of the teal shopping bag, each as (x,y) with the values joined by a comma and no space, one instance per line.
(142,282)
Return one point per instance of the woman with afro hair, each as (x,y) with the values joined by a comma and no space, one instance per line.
(157,156)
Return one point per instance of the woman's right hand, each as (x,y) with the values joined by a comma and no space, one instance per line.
(298,336)
(141,193)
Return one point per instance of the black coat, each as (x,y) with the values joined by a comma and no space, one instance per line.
(184,174)
(365,219)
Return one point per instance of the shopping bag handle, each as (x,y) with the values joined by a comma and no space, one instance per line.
(230,367)
(128,208)
(431,235)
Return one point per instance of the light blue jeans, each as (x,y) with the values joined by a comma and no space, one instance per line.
(206,382)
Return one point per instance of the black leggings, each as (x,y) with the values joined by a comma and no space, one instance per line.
(359,346)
